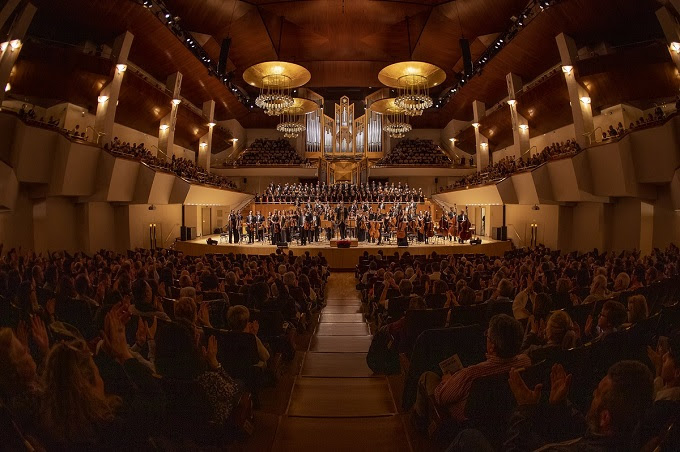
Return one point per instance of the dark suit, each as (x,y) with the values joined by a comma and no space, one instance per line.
(341,215)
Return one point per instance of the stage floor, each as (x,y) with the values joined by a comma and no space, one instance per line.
(343,258)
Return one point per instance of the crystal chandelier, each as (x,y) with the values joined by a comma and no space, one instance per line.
(414,94)
(396,124)
(290,125)
(275,96)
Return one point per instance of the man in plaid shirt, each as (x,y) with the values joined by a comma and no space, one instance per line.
(503,342)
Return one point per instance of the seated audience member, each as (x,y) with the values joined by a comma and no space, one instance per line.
(199,390)
(238,319)
(77,413)
(503,342)
(144,304)
(618,404)
(598,290)
(637,309)
(501,295)
(559,334)
(612,316)
(538,320)
(621,283)
(466,296)
(522,305)
(667,366)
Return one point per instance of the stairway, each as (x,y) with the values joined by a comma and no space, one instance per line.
(337,404)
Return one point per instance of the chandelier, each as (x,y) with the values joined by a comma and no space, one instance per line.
(276,81)
(275,95)
(396,124)
(414,94)
(290,124)
(413,80)
(395,120)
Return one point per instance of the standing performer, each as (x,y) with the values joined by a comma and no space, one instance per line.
(276,227)
(250,224)
(341,215)
(233,232)
(259,219)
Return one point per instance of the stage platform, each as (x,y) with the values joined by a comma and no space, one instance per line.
(342,258)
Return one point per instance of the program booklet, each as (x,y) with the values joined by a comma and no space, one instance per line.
(451,365)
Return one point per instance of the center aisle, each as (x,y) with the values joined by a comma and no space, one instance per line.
(337,404)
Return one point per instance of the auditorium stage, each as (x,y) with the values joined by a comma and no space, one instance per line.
(342,258)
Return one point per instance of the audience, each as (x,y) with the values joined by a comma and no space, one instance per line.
(415,153)
(182,167)
(269,152)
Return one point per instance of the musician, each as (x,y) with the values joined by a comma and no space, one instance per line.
(341,215)
(309,226)
(276,227)
(233,227)
(250,221)
(259,219)
(427,223)
(316,225)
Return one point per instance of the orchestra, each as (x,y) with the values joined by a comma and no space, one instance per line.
(309,222)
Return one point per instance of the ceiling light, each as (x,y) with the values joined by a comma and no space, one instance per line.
(475,125)
(524,127)
(8,87)
(512,102)
(3,46)
(102,99)
(452,140)
(15,44)
(121,67)
(176,101)
(586,100)
(164,127)
(211,124)
(203,145)
(567,69)
(484,145)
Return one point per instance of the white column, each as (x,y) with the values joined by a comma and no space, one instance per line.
(9,50)
(7,11)
(578,96)
(520,126)
(205,143)
(671,31)
(107,101)
(482,143)
(166,130)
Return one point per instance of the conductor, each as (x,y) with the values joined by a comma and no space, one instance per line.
(341,215)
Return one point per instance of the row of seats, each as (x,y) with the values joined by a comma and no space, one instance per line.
(269,152)
(182,344)
(415,153)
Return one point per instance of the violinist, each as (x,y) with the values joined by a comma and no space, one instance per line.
(259,221)
(250,221)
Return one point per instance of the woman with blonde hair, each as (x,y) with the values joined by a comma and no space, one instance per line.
(560,334)
(598,290)
(76,412)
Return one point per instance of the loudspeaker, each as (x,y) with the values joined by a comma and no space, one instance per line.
(500,233)
(245,180)
(211,241)
(467,57)
(476,241)
(344,243)
(224,55)
(187,233)
(282,244)
(436,180)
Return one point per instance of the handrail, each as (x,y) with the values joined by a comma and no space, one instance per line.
(591,135)
(517,233)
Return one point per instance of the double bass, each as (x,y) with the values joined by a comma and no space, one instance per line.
(401,232)
(374,232)
(465,233)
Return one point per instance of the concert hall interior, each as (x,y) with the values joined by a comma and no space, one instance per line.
(344,225)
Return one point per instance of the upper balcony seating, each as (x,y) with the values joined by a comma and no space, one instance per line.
(180,166)
(415,153)
(509,165)
(270,153)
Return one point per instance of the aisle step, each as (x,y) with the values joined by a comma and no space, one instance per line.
(344,365)
(343,302)
(341,318)
(341,397)
(342,310)
(340,435)
(342,329)
(340,344)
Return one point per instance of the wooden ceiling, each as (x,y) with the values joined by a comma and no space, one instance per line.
(344,43)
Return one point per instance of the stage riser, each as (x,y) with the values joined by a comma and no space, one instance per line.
(342,258)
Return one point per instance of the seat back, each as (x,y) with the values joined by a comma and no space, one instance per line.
(237,351)
(396,307)
(419,320)
(434,346)
(271,324)
(489,405)
(468,315)
(435,301)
